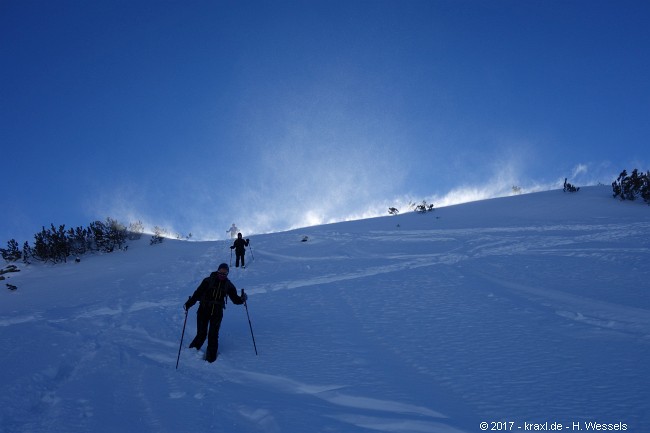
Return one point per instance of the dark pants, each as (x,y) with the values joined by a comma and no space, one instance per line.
(208,322)
(240,256)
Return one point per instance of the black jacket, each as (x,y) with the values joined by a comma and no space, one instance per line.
(240,245)
(213,291)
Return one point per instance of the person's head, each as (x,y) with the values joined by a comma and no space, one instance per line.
(239,235)
(222,271)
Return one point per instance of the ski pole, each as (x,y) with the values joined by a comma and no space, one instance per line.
(231,257)
(249,323)
(182,335)
(252,255)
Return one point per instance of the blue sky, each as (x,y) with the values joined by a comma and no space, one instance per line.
(274,115)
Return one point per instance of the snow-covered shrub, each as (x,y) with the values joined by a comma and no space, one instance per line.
(135,230)
(11,253)
(629,187)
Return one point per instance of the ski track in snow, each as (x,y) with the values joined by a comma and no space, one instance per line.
(391,330)
(530,351)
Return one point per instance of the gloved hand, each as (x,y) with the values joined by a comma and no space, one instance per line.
(187,306)
(243,296)
(232,247)
(248,240)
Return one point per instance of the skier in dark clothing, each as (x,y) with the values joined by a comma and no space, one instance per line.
(239,246)
(211,294)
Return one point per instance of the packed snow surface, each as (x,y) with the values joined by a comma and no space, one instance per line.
(514,312)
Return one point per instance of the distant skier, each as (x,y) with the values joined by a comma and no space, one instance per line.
(239,246)
(211,294)
(233,230)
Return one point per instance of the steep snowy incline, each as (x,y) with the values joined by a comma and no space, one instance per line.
(532,308)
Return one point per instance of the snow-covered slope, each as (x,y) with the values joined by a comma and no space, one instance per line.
(527,309)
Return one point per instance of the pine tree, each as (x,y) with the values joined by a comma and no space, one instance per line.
(60,244)
(98,235)
(135,230)
(645,187)
(116,234)
(28,253)
(42,246)
(157,237)
(12,253)
(78,239)
(629,187)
